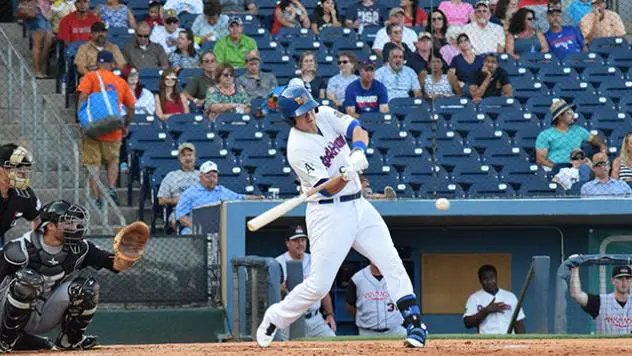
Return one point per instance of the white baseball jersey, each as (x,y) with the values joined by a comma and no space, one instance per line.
(494,323)
(316,157)
(374,307)
(307,265)
(613,318)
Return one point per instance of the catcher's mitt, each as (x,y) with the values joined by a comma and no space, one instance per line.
(130,242)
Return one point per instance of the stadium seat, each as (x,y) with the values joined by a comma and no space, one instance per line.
(499,157)
(373,122)
(452,156)
(399,105)
(581,60)
(534,60)
(257,31)
(328,70)
(616,89)
(449,106)
(187,119)
(200,135)
(568,89)
(145,73)
(518,73)
(300,45)
(329,35)
(368,34)
(238,183)
(495,105)
(215,152)
(417,119)
(620,58)
(605,45)
(610,120)
(514,121)
(467,174)
(404,190)
(283,187)
(517,173)
(626,104)
(540,105)
(264,163)
(189,73)
(419,175)
(537,188)
(596,75)
(186,19)
(391,140)
(525,90)
(464,122)
(247,137)
(441,137)
(379,180)
(491,189)
(550,74)
(483,138)
(434,190)
(587,105)
(616,139)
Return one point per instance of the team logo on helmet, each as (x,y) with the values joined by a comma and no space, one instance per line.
(301,100)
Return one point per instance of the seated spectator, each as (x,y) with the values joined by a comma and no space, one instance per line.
(257,84)
(76,25)
(337,85)
(578,9)
(212,25)
(539,8)
(467,63)
(176,182)
(576,171)
(450,50)
(167,35)
(555,144)
(413,14)
(86,57)
(562,40)
(438,29)
(185,55)
(491,80)
(366,94)
(141,53)
(325,14)
(225,96)
(180,6)
(154,18)
(395,36)
(40,31)
(601,22)
(368,193)
(603,185)
(58,10)
(485,37)
(396,17)
(522,37)
(196,89)
(505,9)
(116,15)
(169,100)
(400,80)
(145,102)
(363,14)
(439,84)
(308,68)
(206,192)
(419,61)
(458,12)
(290,13)
(622,165)
(233,48)
(239,6)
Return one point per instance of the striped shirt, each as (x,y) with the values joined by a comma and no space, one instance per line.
(612,187)
(625,172)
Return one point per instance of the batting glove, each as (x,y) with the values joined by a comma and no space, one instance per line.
(357,161)
(349,174)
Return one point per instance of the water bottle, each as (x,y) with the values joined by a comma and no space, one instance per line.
(124,168)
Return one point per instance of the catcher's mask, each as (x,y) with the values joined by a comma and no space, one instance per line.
(16,160)
(72,219)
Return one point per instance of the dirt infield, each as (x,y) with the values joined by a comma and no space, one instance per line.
(574,347)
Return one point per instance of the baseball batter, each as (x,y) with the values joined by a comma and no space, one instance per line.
(339,218)
(612,312)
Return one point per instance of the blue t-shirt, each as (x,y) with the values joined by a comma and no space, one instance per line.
(568,40)
(464,70)
(373,15)
(577,10)
(366,100)
(196,196)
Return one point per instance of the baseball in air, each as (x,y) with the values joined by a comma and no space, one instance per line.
(442,204)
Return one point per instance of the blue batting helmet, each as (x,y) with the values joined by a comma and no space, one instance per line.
(295,101)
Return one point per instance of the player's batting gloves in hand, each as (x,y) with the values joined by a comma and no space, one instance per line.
(349,174)
(357,160)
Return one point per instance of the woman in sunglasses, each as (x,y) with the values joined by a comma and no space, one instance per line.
(338,84)
(622,165)
(523,37)
(145,102)
(225,96)
(170,100)
(438,28)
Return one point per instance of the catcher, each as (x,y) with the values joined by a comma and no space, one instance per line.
(42,285)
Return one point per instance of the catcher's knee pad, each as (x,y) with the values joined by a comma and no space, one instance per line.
(84,296)
(25,288)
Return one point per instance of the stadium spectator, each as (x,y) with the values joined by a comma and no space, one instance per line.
(206,192)
(396,17)
(212,24)
(577,170)
(601,22)
(58,10)
(439,84)
(308,68)
(167,35)
(290,13)
(449,50)
(113,14)
(413,14)
(145,102)
(467,63)
(154,17)
(578,9)
(366,94)
(225,96)
(105,148)
(368,193)
(490,309)
(395,36)
(555,144)
(257,84)
(604,185)
(190,6)
(185,55)
(458,12)
(363,14)
(485,37)
(232,49)
(141,53)
(622,165)
(86,57)
(325,14)
(177,181)
(169,100)
(505,10)
(76,25)
(41,35)
(239,6)
(491,80)
(337,85)
(438,29)
(400,81)
(419,61)
(539,8)
(196,89)
(562,40)
(523,37)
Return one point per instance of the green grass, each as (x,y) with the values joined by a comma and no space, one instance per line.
(473,337)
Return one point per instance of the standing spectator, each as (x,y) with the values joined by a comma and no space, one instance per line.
(467,63)
(439,84)
(491,80)
(458,12)
(105,148)
(366,94)
(485,37)
(490,309)
(555,144)
(145,102)
(239,6)
(326,14)
(257,84)
(395,36)
(396,17)
(400,80)
(438,29)
(523,37)
(601,22)
(212,25)
(337,85)
(169,100)
(603,185)
(154,17)
(413,14)
(290,13)
(562,40)
(578,9)
(40,31)
(58,10)
(113,14)
(76,25)
(363,14)
(167,35)
(141,53)
(539,8)
(196,89)
(225,96)
(622,165)
(308,68)
(505,9)
(233,48)
(185,55)
(86,57)
(180,6)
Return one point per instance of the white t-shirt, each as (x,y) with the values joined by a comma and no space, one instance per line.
(494,323)
(485,40)
(307,265)
(409,37)
(190,6)
(159,35)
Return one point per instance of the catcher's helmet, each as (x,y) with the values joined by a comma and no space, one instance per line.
(74,218)
(295,101)
(17,161)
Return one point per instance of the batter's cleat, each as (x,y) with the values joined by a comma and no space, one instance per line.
(30,342)
(416,337)
(265,332)
(86,342)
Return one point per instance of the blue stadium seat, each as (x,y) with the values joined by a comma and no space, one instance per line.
(581,60)
(280,70)
(264,164)
(441,137)
(534,60)
(536,188)
(606,45)
(435,190)
(550,74)
(376,164)
(378,181)
(587,105)
(616,139)
(568,89)
(524,90)
(189,73)
(464,122)
(421,174)
(516,173)
(375,121)
(491,189)
(186,119)
(149,73)
(186,19)
(626,104)
(516,120)
(610,120)
(300,45)
(328,70)
(467,174)
(399,106)
(495,105)
(331,35)
(404,190)
(232,118)
(368,34)
(402,162)
(203,134)
(499,157)
(283,187)
(418,119)
(247,136)
(506,61)
(391,139)
(483,138)
(275,56)
(287,35)
(265,44)
(453,156)
(120,31)
(122,40)
(238,183)
(519,73)
(620,58)
(213,150)
(255,31)
(596,75)
(539,105)
(616,89)
(449,106)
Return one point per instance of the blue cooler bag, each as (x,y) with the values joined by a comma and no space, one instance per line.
(101,114)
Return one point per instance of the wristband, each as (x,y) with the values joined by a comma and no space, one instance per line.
(359,145)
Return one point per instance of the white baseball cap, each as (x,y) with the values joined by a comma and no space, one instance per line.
(208,166)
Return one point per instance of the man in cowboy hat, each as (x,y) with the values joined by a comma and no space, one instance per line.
(555,144)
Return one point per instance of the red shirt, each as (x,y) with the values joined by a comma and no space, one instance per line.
(524,3)
(153,22)
(421,17)
(72,28)
(173,107)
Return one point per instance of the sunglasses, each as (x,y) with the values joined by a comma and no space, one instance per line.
(142,36)
(482,11)
(227,75)
(437,19)
(578,156)
(171,21)
(369,69)
(208,61)
(530,18)
(342,62)
(171,78)
(601,164)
